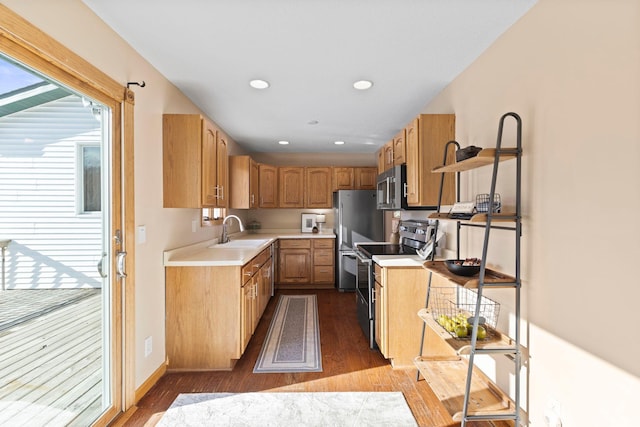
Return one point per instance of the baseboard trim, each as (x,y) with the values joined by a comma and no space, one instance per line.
(150,382)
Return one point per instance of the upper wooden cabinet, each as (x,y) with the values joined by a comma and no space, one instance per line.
(399,148)
(222,171)
(268,183)
(356,178)
(195,171)
(388,155)
(365,178)
(317,189)
(343,178)
(426,137)
(243,182)
(291,187)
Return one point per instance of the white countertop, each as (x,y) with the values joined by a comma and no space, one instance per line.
(408,260)
(398,260)
(209,253)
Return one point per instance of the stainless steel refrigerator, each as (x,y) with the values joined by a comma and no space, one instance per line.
(356,220)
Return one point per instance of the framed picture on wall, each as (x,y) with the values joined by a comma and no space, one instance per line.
(308,222)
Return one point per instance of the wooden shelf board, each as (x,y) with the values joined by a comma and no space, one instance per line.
(479,218)
(491,276)
(447,379)
(484,158)
(462,346)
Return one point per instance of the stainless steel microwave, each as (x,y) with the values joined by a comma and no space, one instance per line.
(392,188)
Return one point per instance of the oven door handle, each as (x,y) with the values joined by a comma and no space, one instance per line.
(363,259)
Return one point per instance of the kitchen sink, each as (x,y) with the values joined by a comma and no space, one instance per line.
(240,244)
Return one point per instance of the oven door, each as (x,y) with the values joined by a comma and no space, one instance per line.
(364,297)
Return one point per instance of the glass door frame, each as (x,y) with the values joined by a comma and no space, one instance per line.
(25,43)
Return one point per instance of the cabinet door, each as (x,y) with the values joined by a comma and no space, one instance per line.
(222,172)
(268,177)
(388,155)
(426,137)
(246,319)
(365,178)
(380,331)
(381,164)
(209,165)
(318,192)
(291,187)
(343,179)
(254,184)
(413,171)
(399,148)
(264,293)
(294,266)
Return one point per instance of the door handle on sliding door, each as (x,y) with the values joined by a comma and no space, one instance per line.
(101,266)
(120,256)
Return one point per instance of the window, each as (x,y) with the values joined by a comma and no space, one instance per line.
(89,191)
(212,216)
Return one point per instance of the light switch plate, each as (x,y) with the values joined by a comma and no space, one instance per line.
(142,234)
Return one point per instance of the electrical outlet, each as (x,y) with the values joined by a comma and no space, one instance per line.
(148,346)
(194,225)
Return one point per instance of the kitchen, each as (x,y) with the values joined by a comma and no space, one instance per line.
(545,82)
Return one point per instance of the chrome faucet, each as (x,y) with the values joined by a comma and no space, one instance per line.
(224,238)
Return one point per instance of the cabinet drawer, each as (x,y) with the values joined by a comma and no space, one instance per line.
(323,257)
(295,243)
(248,270)
(323,274)
(323,243)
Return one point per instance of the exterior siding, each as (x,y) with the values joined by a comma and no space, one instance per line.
(53,245)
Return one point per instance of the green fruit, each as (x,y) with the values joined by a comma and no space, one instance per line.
(450,326)
(482,333)
(461,331)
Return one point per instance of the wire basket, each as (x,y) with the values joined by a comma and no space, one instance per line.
(482,203)
(452,306)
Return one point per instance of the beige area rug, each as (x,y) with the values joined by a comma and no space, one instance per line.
(353,409)
(292,343)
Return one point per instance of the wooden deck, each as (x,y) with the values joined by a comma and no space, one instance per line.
(51,366)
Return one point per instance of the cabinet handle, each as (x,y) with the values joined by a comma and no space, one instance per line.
(252,199)
(248,273)
(405,189)
(221,193)
(373,297)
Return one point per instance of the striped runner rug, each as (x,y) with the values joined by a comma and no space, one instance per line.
(292,343)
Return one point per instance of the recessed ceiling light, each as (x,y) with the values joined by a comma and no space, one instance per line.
(363,84)
(283,142)
(259,84)
(339,142)
(368,143)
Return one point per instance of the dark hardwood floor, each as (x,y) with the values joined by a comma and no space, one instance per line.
(348,365)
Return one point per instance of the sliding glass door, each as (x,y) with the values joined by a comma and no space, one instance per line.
(61,237)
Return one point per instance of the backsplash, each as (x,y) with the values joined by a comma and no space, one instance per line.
(286,218)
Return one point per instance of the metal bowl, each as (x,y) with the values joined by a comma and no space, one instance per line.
(461,270)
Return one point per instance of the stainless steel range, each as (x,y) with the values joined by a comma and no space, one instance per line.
(413,236)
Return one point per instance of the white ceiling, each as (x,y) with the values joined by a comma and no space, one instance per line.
(311,51)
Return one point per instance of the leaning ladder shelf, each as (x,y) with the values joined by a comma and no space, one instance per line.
(467,392)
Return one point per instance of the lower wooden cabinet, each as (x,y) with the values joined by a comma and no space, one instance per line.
(399,293)
(212,312)
(306,263)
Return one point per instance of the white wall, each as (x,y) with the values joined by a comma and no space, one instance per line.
(571,69)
